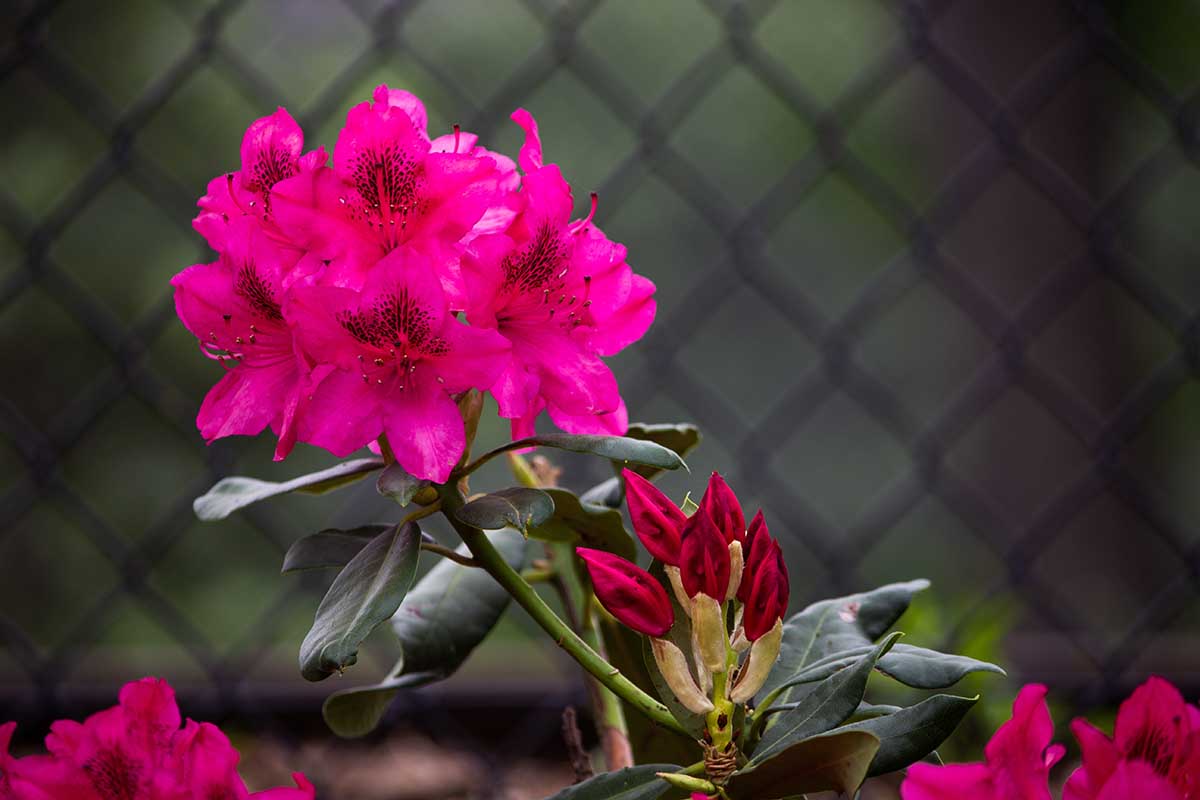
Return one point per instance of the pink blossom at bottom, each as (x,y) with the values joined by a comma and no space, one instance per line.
(1017,765)
(135,750)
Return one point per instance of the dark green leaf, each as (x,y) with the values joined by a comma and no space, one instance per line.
(517,507)
(836,761)
(828,705)
(365,593)
(829,627)
(609,493)
(910,734)
(583,523)
(329,548)
(681,438)
(445,615)
(917,667)
(396,482)
(230,494)
(621,449)
(631,783)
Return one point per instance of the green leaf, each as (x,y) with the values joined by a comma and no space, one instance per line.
(917,667)
(516,507)
(621,449)
(230,494)
(365,593)
(445,615)
(680,438)
(828,705)
(631,783)
(836,761)
(909,734)
(830,627)
(609,493)
(578,522)
(396,482)
(329,548)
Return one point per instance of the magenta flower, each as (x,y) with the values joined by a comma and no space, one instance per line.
(722,506)
(1156,740)
(234,306)
(399,358)
(630,594)
(563,294)
(657,521)
(133,751)
(704,564)
(391,185)
(767,598)
(1018,760)
(271,152)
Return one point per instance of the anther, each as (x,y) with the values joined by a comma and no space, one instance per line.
(457,131)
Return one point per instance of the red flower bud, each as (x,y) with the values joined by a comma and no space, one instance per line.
(768,598)
(629,592)
(704,558)
(720,503)
(757,544)
(657,521)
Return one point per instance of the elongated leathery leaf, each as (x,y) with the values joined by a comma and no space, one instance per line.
(365,593)
(583,523)
(909,734)
(517,507)
(917,667)
(680,438)
(631,783)
(828,705)
(445,615)
(621,449)
(836,761)
(230,494)
(329,548)
(397,483)
(829,627)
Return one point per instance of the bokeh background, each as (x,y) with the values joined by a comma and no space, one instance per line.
(929,278)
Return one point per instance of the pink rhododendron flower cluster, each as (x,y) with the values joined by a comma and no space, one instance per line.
(360,299)
(1154,754)
(135,750)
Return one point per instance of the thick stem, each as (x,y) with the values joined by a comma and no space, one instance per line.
(610,716)
(491,560)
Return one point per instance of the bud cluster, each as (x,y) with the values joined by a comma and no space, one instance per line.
(720,571)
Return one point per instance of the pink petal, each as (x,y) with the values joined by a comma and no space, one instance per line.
(304,790)
(1100,758)
(344,414)
(424,428)
(951,782)
(1017,753)
(407,102)
(206,763)
(614,423)
(377,141)
(572,379)
(1137,780)
(530,157)
(1148,722)
(482,269)
(657,521)
(270,150)
(629,323)
(547,197)
(630,594)
(475,358)
(246,400)
(514,390)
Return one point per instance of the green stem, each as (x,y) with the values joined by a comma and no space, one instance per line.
(610,715)
(491,560)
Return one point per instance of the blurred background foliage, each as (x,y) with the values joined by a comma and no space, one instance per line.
(928,283)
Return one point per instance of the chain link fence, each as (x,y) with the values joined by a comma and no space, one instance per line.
(929,282)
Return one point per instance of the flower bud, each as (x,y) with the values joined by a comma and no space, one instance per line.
(703,558)
(735,569)
(757,540)
(698,786)
(721,505)
(767,599)
(763,654)
(708,628)
(673,666)
(657,521)
(630,594)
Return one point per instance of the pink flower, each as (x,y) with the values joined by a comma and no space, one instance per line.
(657,521)
(133,751)
(767,598)
(630,594)
(1017,766)
(1156,733)
(271,153)
(391,185)
(563,294)
(399,357)
(234,306)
